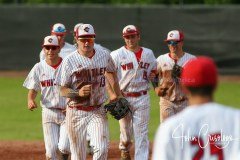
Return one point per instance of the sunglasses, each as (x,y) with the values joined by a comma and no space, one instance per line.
(174,43)
(84,40)
(130,36)
(51,47)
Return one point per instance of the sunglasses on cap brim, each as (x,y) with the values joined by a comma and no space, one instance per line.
(85,39)
(174,43)
(51,47)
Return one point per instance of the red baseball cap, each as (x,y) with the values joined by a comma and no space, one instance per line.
(175,35)
(201,71)
(130,30)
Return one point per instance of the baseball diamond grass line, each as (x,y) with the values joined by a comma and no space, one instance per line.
(18,123)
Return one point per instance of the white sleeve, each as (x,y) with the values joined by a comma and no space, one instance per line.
(63,76)
(153,65)
(115,58)
(32,81)
(110,65)
(163,147)
(42,55)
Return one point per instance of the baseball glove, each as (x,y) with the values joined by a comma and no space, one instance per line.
(119,108)
(176,71)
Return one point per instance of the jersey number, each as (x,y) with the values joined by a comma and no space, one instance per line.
(215,149)
(102,82)
(145,75)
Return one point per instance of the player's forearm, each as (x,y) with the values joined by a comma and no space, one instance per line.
(113,83)
(112,95)
(68,92)
(32,94)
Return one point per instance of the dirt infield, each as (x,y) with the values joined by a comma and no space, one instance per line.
(34,150)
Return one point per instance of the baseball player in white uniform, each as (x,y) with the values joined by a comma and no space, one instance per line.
(98,46)
(82,80)
(134,65)
(205,130)
(60,31)
(172,98)
(41,78)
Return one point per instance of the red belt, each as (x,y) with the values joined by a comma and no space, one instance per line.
(134,94)
(85,108)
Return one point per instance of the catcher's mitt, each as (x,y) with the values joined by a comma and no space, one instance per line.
(176,71)
(119,108)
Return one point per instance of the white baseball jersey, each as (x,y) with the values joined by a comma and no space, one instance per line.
(78,70)
(133,72)
(65,51)
(133,76)
(42,77)
(206,132)
(164,66)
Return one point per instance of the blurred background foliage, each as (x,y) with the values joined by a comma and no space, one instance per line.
(166,2)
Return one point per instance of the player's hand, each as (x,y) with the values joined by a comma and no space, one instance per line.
(113,97)
(31,105)
(85,91)
(152,75)
(160,91)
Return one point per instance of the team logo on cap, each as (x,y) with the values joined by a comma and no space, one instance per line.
(50,40)
(86,29)
(60,29)
(130,30)
(171,35)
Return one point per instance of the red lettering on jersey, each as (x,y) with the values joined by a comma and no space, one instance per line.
(144,65)
(94,72)
(214,143)
(215,148)
(129,66)
(43,83)
(145,75)
(102,82)
(102,71)
(124,67)
(47,83)
(90,75)
(197,141)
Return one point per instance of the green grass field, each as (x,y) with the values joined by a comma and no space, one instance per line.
(18,123)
